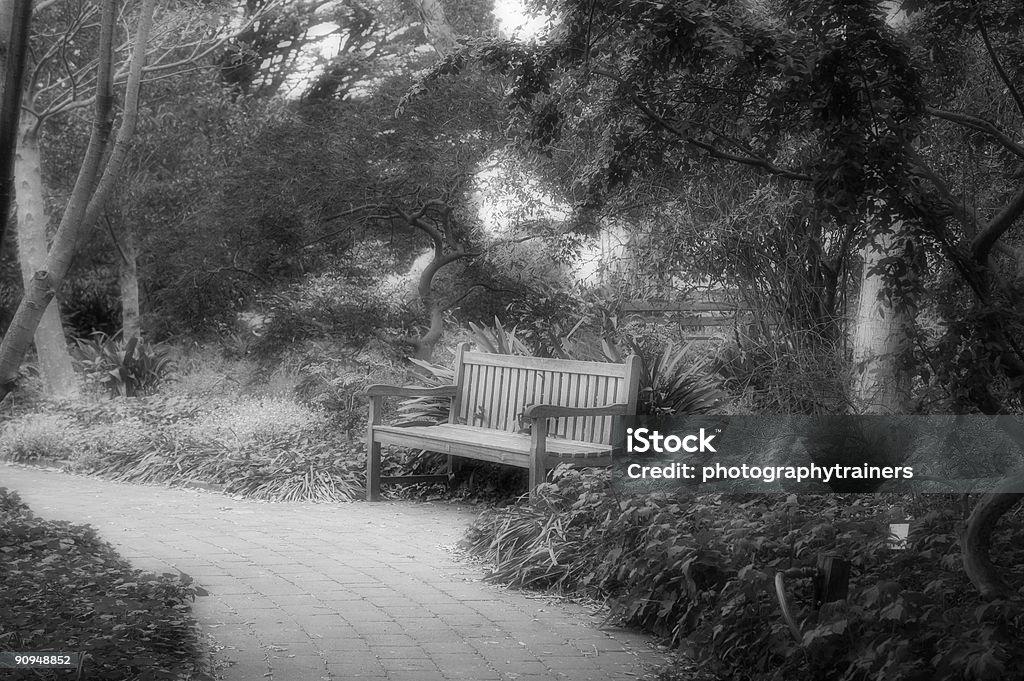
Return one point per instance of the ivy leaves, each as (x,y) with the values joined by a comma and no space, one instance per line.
(62,588)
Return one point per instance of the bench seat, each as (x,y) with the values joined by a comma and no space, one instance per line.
(492,445)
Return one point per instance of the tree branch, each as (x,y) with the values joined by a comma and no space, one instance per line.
(125,132)
(956,205)
(997,226)
(354,210)
(1005,77)
(980,125)
(710,149)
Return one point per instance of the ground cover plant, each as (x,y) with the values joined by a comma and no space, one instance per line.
(257,447)
(63,589)
(700,570)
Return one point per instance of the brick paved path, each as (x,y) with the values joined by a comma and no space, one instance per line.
(311,592)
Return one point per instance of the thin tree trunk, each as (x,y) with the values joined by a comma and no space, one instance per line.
(879,337)
(128,281)
(15,17)
(436,27)
(51,345)
(976,541)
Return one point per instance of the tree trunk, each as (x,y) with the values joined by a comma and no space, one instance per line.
(15,18)
(977,538)
(51,345)
(128,282)
(436,27)
(879,337)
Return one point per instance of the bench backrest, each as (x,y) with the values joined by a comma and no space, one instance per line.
(493,390)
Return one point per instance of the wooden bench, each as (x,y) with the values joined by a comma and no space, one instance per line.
(529,412)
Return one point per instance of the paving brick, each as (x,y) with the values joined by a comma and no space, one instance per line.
(367,629)
(357,668)
(347,592)
(442,647)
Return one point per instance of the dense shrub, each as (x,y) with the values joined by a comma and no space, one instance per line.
(346,306)
(90,303)
(700,570)
(795,373)
(63,589)
(264,448)
(36,436)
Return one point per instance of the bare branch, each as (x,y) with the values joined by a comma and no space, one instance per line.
(997,226)
(956,205)
(126,130)
(1005,77)
(354,210)
(980,125)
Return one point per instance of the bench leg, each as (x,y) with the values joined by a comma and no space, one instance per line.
(538,455)
(373,471)
(373,452)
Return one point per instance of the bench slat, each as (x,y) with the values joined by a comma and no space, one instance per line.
(546,364)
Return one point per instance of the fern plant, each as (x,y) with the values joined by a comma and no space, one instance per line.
(126,369)
(668,385)
(427,411)
(499,341)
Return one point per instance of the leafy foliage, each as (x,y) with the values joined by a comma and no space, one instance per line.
(499,340)
(700,570)
(676,383)
(123,368)
(823,127)
(259,448)
(796,373)
(38,436)
(62,588)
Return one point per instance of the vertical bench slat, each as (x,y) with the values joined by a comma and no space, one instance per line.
(581,399)
(554,396)
(458,402)
(572,398)
(477,389)
(494,398)
(587,428)
(604,426)
(521,392)
(508,404)
(486,389)
(589,422)
(565,390)
(497,398)
(608,397)
(466,410)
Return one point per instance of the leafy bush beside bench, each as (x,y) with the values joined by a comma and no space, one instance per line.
(263,448)
(700,571)
(63,589)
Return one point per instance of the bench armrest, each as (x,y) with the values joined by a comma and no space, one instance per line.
(381,390)
(541,411)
